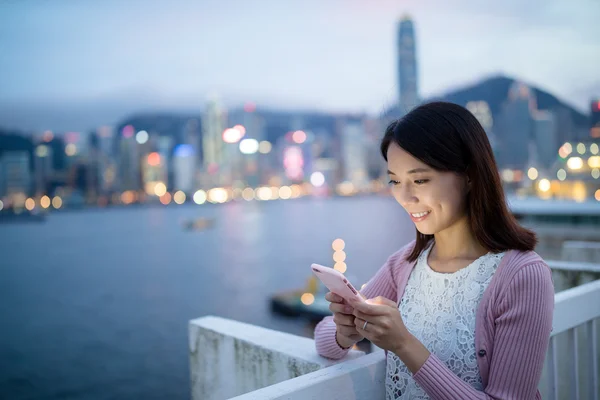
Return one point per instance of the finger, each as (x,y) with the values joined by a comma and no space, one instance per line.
(348,331)
(358,325)
(382,301)
(365,317)
(371,309)
(333,298)
(343,319)
(341,308)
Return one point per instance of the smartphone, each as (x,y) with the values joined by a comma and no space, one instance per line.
(337,283)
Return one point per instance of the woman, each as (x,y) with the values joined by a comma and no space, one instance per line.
(465,310)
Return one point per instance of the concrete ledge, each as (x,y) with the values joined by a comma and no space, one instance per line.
(357,379)
(230,358)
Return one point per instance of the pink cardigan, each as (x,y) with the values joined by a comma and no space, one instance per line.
(513,326)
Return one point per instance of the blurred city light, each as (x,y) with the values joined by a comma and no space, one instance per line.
(248,146)
(217,195)
(265,147)
(575,163)
(1,205)
(128,197)
(339,256)
(594,149)
(179,197)
(594,162)
(544,185)
(154,159)
(263,193)
(296,191)
(165,198)
(579,192)
(561,174)
(70,149)
(299,137)
(248,194)
(41,150)
(47,136)
(340,266)
(285,192)
(317,179)
(581,148)
(596,173)
(141,137)
(57,202)
(234,135)
(160,189)
(532,173)
(241,129)
(597,195)
(307,299)
(30,204)
(45,201)
(338,245)
(200,197)
(128,131)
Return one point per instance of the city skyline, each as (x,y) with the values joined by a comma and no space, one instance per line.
(325,55)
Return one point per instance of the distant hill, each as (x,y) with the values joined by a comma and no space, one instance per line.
(494,91)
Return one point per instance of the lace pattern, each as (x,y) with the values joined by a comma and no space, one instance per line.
(439,309)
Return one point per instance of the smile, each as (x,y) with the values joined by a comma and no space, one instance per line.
(420,215)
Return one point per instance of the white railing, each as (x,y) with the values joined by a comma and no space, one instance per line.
(293,371)
(575,309)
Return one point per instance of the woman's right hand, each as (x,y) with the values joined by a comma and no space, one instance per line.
(346,333)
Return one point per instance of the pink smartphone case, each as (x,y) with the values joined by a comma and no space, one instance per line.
(337,283)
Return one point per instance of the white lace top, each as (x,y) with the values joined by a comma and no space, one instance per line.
(439,309)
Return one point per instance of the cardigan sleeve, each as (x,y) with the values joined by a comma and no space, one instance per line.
(523,327)
(382,284)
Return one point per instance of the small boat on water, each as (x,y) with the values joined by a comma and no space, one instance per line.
(307,303)
(199,224)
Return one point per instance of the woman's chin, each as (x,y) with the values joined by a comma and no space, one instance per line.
(424,229)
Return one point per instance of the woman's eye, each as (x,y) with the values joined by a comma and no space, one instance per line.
(393,182)
(421,181)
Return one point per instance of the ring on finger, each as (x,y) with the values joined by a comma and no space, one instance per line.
(365,326)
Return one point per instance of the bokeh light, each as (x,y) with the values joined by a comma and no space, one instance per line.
(532,173)
(307,299)
(160,189)
(57,202)
(200,197)
(45,201)
(340,266)
(544,185)
(179,197)
(338,245)
(30,204)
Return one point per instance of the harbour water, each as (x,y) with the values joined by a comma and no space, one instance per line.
(94,304)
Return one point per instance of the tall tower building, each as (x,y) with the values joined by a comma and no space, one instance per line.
(515,127)
(213,125)
(408,87)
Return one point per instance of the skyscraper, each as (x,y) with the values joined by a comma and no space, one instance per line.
(544,129)
(515,127)
(408,88)
(213,124)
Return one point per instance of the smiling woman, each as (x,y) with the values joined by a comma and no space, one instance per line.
(464,311)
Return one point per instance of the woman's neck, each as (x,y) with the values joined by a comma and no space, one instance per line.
(457,242)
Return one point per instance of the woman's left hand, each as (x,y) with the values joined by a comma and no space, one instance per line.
(385,327)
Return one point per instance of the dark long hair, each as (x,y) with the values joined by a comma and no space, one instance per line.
(447,137)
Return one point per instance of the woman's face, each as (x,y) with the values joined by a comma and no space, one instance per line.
(434,200)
